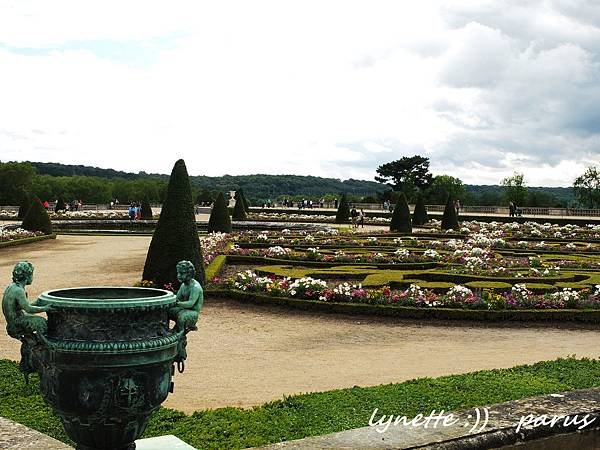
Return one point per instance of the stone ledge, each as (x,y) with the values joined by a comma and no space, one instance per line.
(14,436)
(500,430)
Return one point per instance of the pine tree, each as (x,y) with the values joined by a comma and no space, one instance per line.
(239,211)
(146,210)
(37,218)
(420,214)
(401,216)
(176,236)
(450,218)
(219,220)
(24,206)
(343,212)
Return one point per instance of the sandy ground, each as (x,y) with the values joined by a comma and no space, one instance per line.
(245,355)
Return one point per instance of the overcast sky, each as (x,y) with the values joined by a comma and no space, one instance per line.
(328,88)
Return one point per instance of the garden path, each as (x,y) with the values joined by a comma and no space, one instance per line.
(245,355)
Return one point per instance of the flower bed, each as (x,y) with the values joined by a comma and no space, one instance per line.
(460,297)
(16,234)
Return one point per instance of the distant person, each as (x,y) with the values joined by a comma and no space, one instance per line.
(46,204)
(511,209)
(116,201)
(361,218)
(112,204)
(457,206)
(322,203)
(138,211)
(335,203)
(132,212)
(354,217)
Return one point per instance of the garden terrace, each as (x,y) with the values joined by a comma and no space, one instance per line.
(481,268)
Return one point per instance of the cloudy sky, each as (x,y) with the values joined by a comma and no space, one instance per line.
(329,88)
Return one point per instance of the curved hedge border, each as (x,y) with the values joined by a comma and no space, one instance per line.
(27,240)
(549,316)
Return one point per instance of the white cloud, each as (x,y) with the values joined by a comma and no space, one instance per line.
(322,88)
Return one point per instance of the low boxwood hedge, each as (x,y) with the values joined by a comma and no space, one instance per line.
(28,240)
(550,316)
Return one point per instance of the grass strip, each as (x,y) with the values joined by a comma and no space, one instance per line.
(320,413)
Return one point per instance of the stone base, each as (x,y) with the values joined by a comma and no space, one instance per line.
(169,442)
(14,436)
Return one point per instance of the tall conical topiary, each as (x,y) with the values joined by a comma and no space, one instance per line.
(343,212)
(420,214)
(24,206)
(37,218)
(146,210)
(239,211)
(450,218)
(401,216)
(219,220)
(176,236)
(244,199)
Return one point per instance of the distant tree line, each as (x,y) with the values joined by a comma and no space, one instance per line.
(51,181)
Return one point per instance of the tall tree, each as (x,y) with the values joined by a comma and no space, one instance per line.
(587,187)
(442,186)
(176,236)
(406,174)
(15,180)
(515,189)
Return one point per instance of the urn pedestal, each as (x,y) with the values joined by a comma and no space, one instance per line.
(108,361)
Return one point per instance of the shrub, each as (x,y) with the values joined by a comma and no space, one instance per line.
(343,212)
(219,220)
(401,216)
(239,210)
(37,218)
(449,219)
(146,210)
(176,236)
(420,214)
(24,206)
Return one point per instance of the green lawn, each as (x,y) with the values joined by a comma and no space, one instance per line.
(324,412)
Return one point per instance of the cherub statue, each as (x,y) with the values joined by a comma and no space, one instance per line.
(20,322)
(190,298)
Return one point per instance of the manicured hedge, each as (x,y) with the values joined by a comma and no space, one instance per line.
(28,240)
(550,316)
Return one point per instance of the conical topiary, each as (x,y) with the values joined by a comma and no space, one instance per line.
(450,218)
(219,220)
(420,214)
(60,205)
(176,236)
(239,211)
(244,199)
(24,206)
(37,218)
(401,216)
(146,210)
(343,212)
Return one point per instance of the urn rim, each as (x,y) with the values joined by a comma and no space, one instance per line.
(108,297)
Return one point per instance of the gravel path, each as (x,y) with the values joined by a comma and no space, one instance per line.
(245,355)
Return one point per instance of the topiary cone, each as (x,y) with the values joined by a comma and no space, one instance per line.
(401,216)
(420,214)
(449,219)
(37,218)
(146,210)
(343,212)
(239,211)
(219,220)
(176,236)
